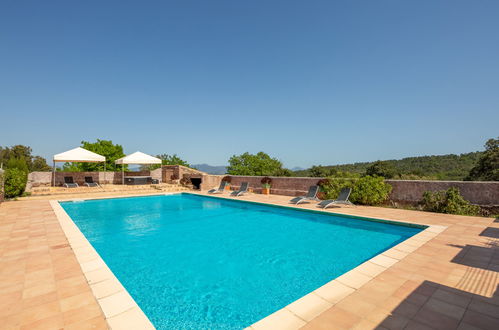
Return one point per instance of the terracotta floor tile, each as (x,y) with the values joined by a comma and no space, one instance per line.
(356,305)
(335,318)
(52,322)
(40,299)
(484,308)
(432,285)
(40,312)
(77,301)
(445,308)
(480,320)
(435,319)
(97,323)
(80,314)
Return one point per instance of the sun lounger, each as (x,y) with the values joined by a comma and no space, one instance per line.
(242,190)
(89,182)
(342,199)
(220,189)
(69,183)
(310,196)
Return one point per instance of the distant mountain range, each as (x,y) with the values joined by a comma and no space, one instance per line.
(218,170)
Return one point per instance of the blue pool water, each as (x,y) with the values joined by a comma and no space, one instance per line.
(194,262)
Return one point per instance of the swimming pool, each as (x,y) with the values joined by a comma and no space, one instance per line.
(195,262)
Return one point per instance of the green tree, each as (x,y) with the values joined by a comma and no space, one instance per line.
(320,171)
(259,164)
(381,168)
(39,164)
(106,148)
(487,168)
(172,160)
(166,159)
(34,163)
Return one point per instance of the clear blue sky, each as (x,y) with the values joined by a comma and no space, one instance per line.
(309,82)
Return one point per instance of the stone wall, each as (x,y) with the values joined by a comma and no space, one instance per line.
(288,186)
(44,179)
(169,172)
(480,193)
(477,192)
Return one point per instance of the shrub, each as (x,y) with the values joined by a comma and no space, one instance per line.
(227,179)
(19,163)
(370,190)
(448,201)
(331,187)
(266,182)
(15,182)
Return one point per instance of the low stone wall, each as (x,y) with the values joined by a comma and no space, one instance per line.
(44,179)
(288,186)
(480,193)
(477,192)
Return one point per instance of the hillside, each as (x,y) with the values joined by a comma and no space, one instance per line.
(444,167)
(211,169)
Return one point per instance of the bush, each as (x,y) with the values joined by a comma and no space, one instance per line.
(331,187)
(370,190)
(19,163)
(15,182)
(448,201)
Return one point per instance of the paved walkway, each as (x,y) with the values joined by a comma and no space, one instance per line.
(450,282)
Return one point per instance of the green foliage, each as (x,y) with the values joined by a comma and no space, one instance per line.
(446,167)
(381,168)
(367,190)
(172,160)
(487,168)
(106,148)
(370,190)
(15,182)
(18,163)
(259,164)
(448,201)
(166,160)
(39,164)
(332,186)
(320,171)
(34,163)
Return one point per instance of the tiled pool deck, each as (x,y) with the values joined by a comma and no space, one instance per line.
(444,278)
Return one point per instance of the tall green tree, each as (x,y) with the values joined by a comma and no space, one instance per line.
(172,160)
(34,163)
(166,159)
(487,168)
(105,148)
(259,164)
(381,168)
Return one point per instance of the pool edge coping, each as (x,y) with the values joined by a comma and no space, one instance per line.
(296,314)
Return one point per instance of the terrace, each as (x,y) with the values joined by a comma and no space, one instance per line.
(445,279)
